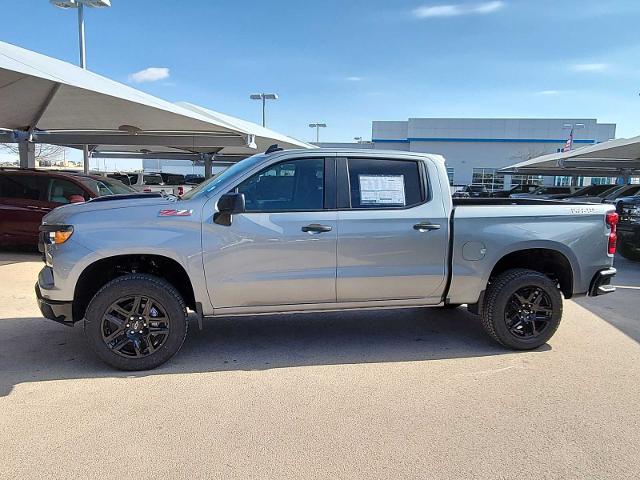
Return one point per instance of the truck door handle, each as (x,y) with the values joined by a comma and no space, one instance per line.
(316,228)
(423,227)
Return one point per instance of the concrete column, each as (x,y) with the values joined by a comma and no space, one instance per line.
(208,165)
(85,158)
(27,151)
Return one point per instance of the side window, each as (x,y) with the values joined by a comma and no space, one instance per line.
(286,187)
(384,183)
(22,186)
(62,191)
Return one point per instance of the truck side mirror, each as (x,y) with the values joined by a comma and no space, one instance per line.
(229,204)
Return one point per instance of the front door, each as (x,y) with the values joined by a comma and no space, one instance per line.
(282,250)
(392,233)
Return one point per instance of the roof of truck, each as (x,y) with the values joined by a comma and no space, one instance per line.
(360,152)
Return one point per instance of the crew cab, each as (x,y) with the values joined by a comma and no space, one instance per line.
(312,231)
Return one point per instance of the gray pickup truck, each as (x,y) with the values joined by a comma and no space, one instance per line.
(312,231)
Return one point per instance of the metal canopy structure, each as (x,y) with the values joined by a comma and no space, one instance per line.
(45,100)
(620,157)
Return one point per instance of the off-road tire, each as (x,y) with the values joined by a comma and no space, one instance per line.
(137,284)
(499,293)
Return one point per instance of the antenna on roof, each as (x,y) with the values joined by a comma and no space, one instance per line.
(273,148)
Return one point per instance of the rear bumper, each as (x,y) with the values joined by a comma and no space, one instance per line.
(61,312)
(601,282)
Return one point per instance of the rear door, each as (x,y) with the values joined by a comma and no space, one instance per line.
(392,231)
(22,206)
(282,250)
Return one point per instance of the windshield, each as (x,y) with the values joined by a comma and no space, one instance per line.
(106,186)
(210,185)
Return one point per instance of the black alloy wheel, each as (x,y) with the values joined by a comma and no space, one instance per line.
(135,326)
(528,313)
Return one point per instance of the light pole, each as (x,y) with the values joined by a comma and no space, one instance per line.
(264,97)
(318,126)
(80,4)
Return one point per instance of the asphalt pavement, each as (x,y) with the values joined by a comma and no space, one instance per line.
(419,393)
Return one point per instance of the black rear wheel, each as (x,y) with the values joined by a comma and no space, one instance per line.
(522,309)
(136,322)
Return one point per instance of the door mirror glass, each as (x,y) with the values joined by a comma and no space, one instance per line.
(229,204)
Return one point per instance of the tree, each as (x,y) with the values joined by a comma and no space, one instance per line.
(45,154)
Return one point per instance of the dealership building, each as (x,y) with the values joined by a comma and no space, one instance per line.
(476,148)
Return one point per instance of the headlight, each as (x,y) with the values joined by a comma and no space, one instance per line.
(57,234)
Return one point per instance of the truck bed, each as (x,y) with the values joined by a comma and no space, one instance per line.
(464,202)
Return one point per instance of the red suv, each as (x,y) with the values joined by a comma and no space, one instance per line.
(27,195)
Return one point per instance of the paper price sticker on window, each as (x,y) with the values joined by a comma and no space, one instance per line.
(382,190)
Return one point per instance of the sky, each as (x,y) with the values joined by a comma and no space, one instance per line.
(346,63)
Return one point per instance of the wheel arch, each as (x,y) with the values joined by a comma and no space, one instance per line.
(547,260)
(95,275)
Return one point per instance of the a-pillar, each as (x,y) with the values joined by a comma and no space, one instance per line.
(27,151)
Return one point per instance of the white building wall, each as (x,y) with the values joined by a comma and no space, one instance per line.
(468,143)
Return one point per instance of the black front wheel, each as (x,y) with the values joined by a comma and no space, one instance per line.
(136,322)
(522,309)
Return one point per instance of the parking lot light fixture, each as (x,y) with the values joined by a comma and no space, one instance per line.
(264,97)
(318,126)
(80,4)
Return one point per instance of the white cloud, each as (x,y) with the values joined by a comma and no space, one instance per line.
(151,74)
(455,10)
(589,67)
(354,79)
(549,92)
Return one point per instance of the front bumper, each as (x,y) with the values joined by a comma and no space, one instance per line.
(601,282)
(61,312)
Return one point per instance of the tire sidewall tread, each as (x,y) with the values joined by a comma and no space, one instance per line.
(499,292)
(146,285)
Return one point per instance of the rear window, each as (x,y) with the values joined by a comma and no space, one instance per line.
(378,183)
(23,186)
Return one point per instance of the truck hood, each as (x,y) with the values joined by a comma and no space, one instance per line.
(60,214)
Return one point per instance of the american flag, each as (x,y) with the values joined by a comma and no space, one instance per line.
(568,146)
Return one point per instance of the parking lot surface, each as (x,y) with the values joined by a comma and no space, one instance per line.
(419,393)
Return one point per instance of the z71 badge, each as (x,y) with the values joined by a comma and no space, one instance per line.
(171,212)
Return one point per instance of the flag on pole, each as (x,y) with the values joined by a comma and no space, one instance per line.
(568,146)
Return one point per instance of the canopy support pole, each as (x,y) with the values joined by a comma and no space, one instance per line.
(27,151)
(208,165)
(85,158)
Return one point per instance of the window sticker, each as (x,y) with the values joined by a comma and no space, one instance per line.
(382,190)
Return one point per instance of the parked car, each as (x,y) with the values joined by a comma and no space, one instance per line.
(193,179)
(523,188)
(622,192)
(27,195)
(629,227)
(472,191)
(592,194)
(170,183)
(316,230)
(544,192)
